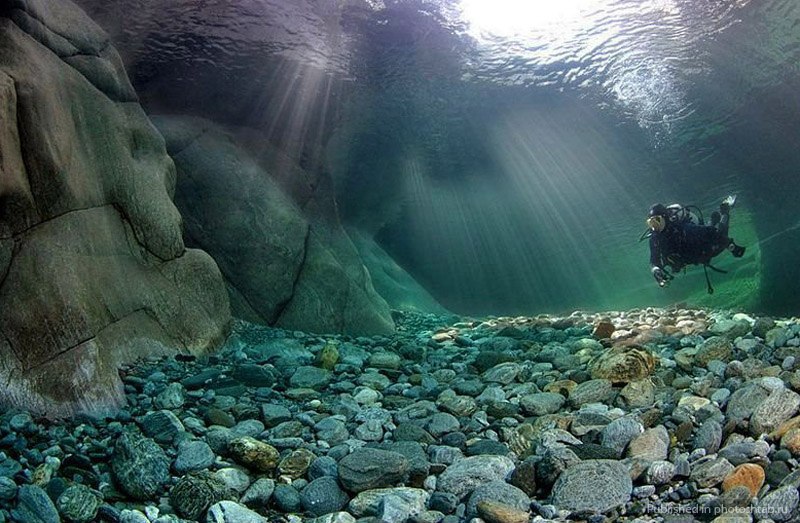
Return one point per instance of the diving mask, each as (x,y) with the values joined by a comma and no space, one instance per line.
(656,223)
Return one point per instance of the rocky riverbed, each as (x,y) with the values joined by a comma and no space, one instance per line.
(644,415)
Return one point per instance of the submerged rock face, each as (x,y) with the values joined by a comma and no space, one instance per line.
(93,269)
(275,234)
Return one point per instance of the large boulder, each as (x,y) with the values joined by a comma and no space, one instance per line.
(93,268)
(286,258)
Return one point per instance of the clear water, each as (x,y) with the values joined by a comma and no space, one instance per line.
(508,161)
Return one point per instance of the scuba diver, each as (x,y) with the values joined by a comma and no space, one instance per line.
(678,237)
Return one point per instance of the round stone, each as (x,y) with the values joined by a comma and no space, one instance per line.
(254,454)
(307,377)
(323,496)
(542,403)
(660,472)
(497,491)
(595,486)
(193,456)
(465,475)
(442,423)
(623,364)
(620,432)
(78,504)
(296,464)
(195,492)
(652,444)
(366,469)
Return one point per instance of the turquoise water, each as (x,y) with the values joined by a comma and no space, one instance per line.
(506,158)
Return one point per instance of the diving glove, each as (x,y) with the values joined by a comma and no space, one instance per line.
(727,203)
(736,250)
(660,276)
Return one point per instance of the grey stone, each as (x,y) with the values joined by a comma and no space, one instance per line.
(332,430)
(711,472)
(230,512)
(778,407)
(104,209)
(442,423)
(660,472)
(34,506)
(323,466)
(8,489)
(596,486)
(744,451)
(310,377)
(369,502)
(744,401)
(500,492)
(708,436)
(281,270)
(235,478)
(778,505)
(253,375)
(463,476)
(192,456)
(337,517)
(542,403)
(503,373)
(384,360)
(287,498)
(173,397)
(274,414)
(323,496)
(139,465)
(366,469)
(620,432)
(444,455)
(652,444)
(418,465)
(162,426)
(591,391)
(371,430)
(396,509)
(132,516)
(259,493)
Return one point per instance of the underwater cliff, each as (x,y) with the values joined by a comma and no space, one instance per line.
(337,262)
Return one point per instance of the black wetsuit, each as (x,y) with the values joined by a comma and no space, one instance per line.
(685,243)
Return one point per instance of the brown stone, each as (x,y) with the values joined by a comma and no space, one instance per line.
(603,329)
(563,387)
(748,475)
(785,427)
(791,441)
(494,512)
(623,364)
(714,348)
(254,454)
